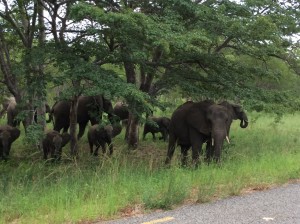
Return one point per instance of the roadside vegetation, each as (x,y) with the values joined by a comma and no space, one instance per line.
(153,56)
(130,182)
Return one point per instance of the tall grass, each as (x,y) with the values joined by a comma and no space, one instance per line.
(32,191)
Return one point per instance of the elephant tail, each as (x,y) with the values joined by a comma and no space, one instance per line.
(171,148)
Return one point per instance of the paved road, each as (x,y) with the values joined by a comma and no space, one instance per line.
(276,206)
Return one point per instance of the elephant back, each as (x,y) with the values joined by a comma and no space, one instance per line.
(61,108)
(14,132)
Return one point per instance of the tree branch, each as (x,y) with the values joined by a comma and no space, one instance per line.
(223,45)
(9,19)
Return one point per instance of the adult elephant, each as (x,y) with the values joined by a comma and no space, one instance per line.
(8,135)
(90,108)
(195,123)
(156,125)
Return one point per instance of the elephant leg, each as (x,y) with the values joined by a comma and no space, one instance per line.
(96,150)
(45,153)
(197,141)
(209,151)
(52,152)
(82,126)
(164,135)
(153,135)
(58,154)
(111,148)
(103,146)
(8,149)
(1,152)
(184,155)
(91,146)
(144,134)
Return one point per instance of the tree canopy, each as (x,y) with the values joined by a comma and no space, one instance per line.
(245,51)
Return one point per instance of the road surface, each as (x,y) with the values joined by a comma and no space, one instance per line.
(279,205)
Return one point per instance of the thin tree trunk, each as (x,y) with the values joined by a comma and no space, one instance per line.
(41,110)
(5,64)
(133,131)
(73,127)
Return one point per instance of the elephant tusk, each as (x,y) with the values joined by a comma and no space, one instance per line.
(227,139)
(212,142)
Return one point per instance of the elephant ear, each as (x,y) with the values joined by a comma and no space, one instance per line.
(237,110)
(15,133)
(197,118)
(233,109)
(4,135)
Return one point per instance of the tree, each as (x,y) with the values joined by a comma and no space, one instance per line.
(194,45)
(207,49)
(21,55)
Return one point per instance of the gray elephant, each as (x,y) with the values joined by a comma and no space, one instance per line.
(53,142)
(193,124)
(121,110)
(102,135)
(90,108)
(13,110)
(8,135)
(156,125)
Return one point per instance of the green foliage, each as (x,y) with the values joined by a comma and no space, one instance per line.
(34,135)
(137,51)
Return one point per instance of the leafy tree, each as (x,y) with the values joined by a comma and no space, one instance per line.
(197,46)
(207,49)
(21,55)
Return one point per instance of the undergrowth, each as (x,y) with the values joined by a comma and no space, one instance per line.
(98,188)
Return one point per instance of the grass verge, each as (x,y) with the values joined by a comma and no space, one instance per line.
(130,182)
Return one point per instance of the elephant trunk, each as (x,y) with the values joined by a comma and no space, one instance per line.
(218,138)
(217,148)
(244,121)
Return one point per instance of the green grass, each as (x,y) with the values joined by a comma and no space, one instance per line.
(32,191)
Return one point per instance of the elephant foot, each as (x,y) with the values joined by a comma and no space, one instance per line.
(3,159)
(95,154)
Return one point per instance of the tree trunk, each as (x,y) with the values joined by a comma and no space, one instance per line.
(133,122)
(5,63)
(41,110)
(73,126)
(133,131)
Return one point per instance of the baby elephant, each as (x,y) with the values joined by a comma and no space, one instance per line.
(155,125)
(53,143)
(8,135)
(101,135)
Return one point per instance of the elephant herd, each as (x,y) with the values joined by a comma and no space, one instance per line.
(191,125)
